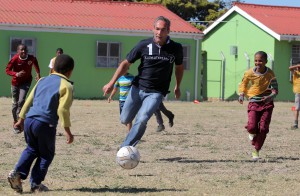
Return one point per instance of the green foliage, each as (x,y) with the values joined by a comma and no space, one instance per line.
(201,12)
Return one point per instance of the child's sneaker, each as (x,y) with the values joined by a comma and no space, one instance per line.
(14,179)
(39,188)
(16,130)
(171,120)
(294,127)
(160,128)
(255,155)
(251,136)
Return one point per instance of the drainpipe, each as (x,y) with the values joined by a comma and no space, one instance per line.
(196,69)
(291,75)
(271,60)
(248,59)
(223,75)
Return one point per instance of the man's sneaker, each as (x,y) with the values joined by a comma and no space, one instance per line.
(160,128)
(39,188)
(171,120)
(251,136)
(255,155)
(14,179)
(294,127)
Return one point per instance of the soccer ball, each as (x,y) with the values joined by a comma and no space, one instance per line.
(128,157)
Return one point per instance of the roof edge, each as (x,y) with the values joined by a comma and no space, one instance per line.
(247,16)
(96,31)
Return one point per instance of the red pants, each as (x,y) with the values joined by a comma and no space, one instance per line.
(259,119)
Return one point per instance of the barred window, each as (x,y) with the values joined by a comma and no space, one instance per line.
(295,54)
(29,42)
(108,54)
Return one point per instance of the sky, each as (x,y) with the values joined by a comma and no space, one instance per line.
(294,3)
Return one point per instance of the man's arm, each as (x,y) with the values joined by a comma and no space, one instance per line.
(179,69)
(121,70)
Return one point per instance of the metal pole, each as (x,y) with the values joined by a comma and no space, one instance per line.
(248,59)
(223,75)
(272,61)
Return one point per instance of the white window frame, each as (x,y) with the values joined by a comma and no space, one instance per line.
(22,40)
(186,59)
(295,53)
(111,61)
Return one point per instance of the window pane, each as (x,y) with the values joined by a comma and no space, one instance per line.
(295,54)
(113,62)
(102,62)
(14,45)
(102,49)
(185,51)
(29,44)
(114,50)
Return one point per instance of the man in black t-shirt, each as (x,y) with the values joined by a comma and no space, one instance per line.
(157,57)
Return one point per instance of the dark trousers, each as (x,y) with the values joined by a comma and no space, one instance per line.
(165,111)
(18,98)
(259,119)
(40,139)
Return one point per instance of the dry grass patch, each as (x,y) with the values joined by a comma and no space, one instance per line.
(206,153)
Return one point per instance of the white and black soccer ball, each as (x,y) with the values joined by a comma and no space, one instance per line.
(128,157)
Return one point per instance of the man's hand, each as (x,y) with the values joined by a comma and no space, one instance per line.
(107,89)
(177,92)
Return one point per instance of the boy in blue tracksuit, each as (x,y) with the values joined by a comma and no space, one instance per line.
(49,100)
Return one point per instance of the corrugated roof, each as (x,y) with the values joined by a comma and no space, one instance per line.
(282,22)
(89,15)
(281,19)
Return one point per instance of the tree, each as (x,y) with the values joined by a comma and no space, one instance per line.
(200,12)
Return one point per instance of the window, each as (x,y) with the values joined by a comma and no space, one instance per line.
(186,57)
(295,54)
(108,54)
(29,42)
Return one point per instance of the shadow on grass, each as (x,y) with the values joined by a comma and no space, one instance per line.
(267,160)
(125,190)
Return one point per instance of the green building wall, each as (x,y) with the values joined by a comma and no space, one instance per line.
(240,32)
(88,80)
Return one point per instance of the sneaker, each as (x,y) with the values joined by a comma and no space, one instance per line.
(16,130)
(294,127)
(171,120)
(14,179)
(39,188)
(251,136)
(160,128)
(255,155)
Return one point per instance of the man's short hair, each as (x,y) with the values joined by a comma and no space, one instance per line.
(167,21)
(63,63)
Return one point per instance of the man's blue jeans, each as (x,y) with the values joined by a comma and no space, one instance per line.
(141,105)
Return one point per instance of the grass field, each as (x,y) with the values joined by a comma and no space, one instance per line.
(207,152)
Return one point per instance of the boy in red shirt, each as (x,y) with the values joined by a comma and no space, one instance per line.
(19,67)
